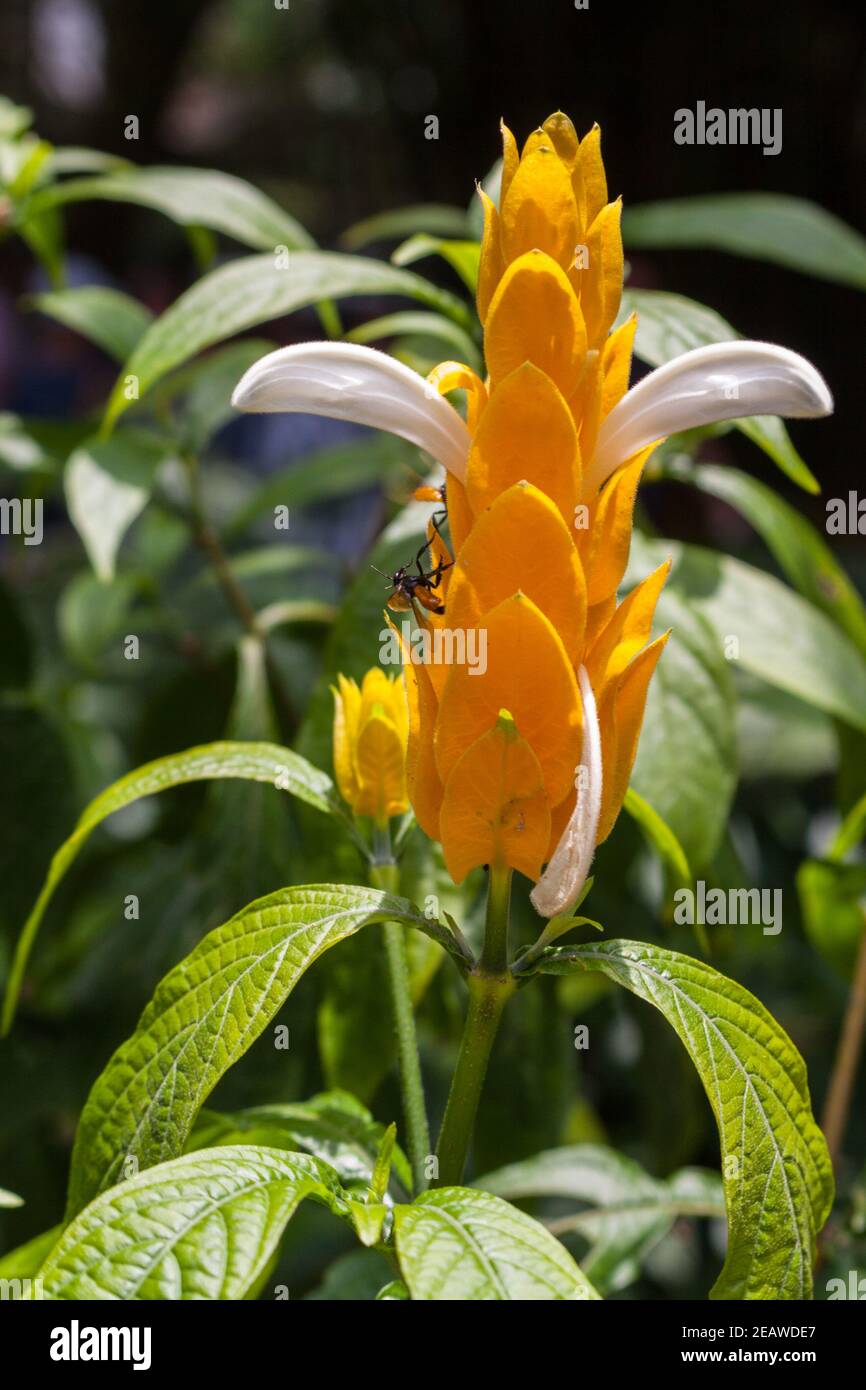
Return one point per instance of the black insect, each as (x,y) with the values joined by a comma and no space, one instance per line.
(408,587)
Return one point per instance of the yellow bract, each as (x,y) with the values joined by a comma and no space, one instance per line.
(371,730)
(538,553)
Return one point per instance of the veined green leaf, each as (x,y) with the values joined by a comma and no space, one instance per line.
(803,554)
(258,289)
(107,484)
(191,197)
(108,318)
(334,1127)
(669,325)
(463,256)
(438,219)
(778,1178)
(793,232)
(625,1211)
(779,636)
(459,1245)
(204,1015)
(203,1226)
(257,762)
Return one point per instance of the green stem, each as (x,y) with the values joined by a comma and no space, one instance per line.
(386,876)
(490,987)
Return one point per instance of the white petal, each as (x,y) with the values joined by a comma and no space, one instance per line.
(559,886)
(348,382)
(722,381)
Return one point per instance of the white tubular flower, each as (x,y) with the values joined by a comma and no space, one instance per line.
(560,885)
(348,382)
(723,381)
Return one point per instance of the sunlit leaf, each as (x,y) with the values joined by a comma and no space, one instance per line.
(776,1169)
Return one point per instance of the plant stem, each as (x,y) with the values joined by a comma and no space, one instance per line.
(386,876)
(838,1102)
(490,987)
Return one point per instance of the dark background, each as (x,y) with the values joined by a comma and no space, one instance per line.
(324,105)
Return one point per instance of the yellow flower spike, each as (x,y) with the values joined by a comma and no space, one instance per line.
(592,174)
(491,265)
(422,778)
(616,363)
(380,758)
(626,633)
(456,376)
(526,433)
(565,141)
(371,728)
(540,212)
(535,317)
(521,542)
(598,615)
(460,514)
(495,809)
(510,160)
(347,707)
(620,723)
(600,283)
(604,543)
(528,673)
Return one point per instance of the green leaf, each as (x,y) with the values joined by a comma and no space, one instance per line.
(686,763)
(418,324)
(458,1245)
(767,226)
(325,474)
(108,318)
(78,159)
(256,290)
(780,736)
(669,325)
(202,392)
(107,484)
(778,1178)
(24,1262)
(850,832)
(660,836)
(833,902)
(463,256)
(334,1127)
(439,219)
(626,1211)
(780,637)
(799,550)
(257,762)
(199,1227)
(190,197)
(204,1015)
